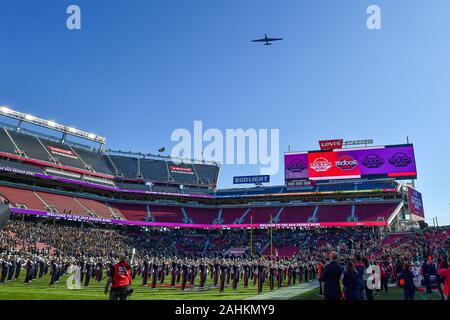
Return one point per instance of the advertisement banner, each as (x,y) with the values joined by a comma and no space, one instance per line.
(296,166)
(331,144)
(333,165)
(62,152)
(391,161)
(415,202)
(177,169)
(251,179)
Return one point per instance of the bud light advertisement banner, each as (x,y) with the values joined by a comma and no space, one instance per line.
(390,161)
(251,179)
(415,203)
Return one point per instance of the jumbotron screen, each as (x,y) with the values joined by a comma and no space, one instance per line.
(386,161)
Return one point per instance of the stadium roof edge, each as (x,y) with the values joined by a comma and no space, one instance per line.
(160,157)
(50,124)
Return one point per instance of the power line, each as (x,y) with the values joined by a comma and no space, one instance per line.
(433,185)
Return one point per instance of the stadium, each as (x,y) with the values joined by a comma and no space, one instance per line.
(75,204)
(201,158)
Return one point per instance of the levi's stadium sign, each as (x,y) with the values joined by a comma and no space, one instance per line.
(331,144)
(395,161)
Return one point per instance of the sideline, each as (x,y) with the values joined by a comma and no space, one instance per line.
(287,292)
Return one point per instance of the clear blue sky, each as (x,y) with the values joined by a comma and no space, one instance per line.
(139,69)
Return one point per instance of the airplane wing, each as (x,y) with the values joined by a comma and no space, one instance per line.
(259,40)
(274,39)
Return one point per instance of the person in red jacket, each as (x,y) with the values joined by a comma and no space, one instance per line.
(319,274)
(384,276)
(444,272)
(119,278)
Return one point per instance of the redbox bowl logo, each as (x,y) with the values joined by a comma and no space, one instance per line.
(372,161)
(346,163)
(400,159)
(296,166)
(321,165)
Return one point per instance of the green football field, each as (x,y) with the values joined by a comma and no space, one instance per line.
(393,294)
(39,290)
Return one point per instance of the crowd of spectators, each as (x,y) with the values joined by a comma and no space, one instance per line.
(410,260)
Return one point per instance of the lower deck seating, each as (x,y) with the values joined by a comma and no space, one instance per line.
(261,215)
(63,204)
(166,214)
(79,205)
(299,214)
(374,212)
(130,211)
(19,197)
(98,207)
(334,213)
(201,215)
(230,215)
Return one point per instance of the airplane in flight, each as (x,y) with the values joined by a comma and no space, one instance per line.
(267,41)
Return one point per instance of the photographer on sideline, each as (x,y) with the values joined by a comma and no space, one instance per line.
(120,279)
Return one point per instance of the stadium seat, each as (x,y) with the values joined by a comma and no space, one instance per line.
(230,215)
(373,212)
(298,214)
(99,207)
(261,214)
(202,216)
(6,144)
(166,214)
(23,197)
(134,212)
(334,213)
(63,204)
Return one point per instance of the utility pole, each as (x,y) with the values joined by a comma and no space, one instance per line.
(251,235)
(271,236)
(412,180)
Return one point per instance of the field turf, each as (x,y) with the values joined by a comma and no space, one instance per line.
(393,294)
(39,290)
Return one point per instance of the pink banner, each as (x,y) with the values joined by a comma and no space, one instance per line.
(199,226)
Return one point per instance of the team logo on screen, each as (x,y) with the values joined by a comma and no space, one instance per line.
(321,165)
(296,165)
(372,161)
(400,159)
(346,163)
